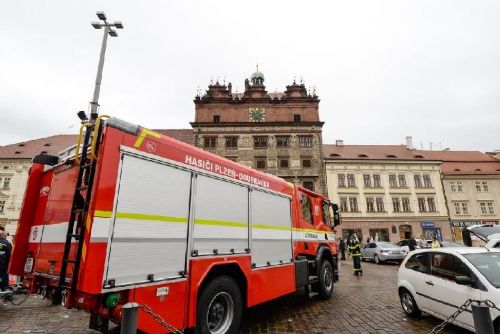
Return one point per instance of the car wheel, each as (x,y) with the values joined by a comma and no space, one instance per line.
(376,259)
(219,307)
(326,280)
(408,304)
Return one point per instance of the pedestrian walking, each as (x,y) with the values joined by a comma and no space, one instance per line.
(355,251)
(5,250)
(412,243)
(342,246)
(435,243)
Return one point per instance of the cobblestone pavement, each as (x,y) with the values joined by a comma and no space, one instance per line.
(360,305)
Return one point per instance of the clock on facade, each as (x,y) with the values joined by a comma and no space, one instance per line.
(257,114)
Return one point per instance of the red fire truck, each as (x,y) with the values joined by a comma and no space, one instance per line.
(136,216)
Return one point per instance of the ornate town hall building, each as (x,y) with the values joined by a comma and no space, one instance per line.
(279,133)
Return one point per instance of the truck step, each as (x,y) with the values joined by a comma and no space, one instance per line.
(313,279)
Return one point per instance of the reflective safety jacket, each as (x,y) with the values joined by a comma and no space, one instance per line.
(355,250)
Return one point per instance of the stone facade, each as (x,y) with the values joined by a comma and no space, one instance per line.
(279,133)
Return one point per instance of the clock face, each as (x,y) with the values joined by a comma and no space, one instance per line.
(257,114)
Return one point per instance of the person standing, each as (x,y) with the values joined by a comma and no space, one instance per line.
(342,246)
(435,243)
(421,242)
(355,251)
(412,243)
(5,250)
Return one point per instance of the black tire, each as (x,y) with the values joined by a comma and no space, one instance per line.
(408,304)
(326,280)
(219,307)
(376,259)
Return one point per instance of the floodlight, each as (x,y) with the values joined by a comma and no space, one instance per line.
(101,16)
(118,24)
(82,115)
(96,25)
(113,33)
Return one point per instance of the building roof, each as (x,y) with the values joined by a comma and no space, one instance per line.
(52,145)
(184,135)
(275,95)
(373,152)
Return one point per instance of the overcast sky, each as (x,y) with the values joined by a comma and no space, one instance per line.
(382,69)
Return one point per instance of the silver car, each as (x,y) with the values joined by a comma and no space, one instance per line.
(381,251)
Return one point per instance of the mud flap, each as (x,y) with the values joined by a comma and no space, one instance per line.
(99,323)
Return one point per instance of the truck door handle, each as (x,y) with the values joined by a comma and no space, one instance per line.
(429,282)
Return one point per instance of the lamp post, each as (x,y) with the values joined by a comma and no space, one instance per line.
(108,29)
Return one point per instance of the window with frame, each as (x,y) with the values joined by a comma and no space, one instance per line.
(284,163)
(405,201)
(305,141)
(452,186)
(306,206)
(231,142)
(6,182)
(216,118)
(326,213)
(448,266)
(402,181)
(380,204)
(456,205)
(396,206)
(427,181)
(490,208)
(353,204)
(367,180)
(370,204)
(393,183)
(421,204)
(210,142)
(343,204)
(460,186)
(341,178)
(308,185)
(376,181)
(260,163)
(482,205)
(478,186)
(418,181)
(465,208)
(2,206)
(296,118)
(282,141)
(431,204)
(485,186)
(306,163)
(260,141)
(420,262)
(351,183)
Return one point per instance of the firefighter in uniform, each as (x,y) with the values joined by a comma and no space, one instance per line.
(5,250)
(355,251)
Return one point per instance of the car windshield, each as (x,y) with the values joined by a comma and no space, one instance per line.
(488,264)
(386,245)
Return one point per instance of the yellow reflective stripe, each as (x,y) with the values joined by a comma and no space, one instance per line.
(219,223)
(141,216)
(271,227)
(144,134)
(102,214)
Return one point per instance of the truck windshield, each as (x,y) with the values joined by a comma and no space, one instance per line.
(488,264)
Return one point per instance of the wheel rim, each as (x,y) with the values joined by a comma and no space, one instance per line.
(328,279)
(220,313)
(407,302)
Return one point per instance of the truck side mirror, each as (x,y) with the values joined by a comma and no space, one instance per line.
(337,218)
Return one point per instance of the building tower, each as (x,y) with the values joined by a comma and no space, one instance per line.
(279,133)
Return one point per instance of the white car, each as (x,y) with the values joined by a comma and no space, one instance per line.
(438,281)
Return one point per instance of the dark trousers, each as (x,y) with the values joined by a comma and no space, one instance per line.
(356,261)
(4,278)
(342,253)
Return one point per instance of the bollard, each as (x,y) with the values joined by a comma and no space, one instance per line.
(129,318)
(482,319)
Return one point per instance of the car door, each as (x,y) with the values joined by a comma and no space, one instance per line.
(370,251)
(447,296)
(417,273)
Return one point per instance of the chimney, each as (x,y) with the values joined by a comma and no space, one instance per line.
(409,143)
(339,142)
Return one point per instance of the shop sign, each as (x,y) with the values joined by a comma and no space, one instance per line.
(426,224)
(460,224)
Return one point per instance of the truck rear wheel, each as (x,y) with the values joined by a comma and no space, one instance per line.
(219,307)
(326,279)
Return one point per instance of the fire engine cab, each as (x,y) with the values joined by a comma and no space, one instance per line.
(136,216)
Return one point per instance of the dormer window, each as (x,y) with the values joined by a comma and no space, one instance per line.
(418,157)
(391,156)
(334,155)
(362,156)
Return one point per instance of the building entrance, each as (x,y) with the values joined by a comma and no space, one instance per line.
(405,231)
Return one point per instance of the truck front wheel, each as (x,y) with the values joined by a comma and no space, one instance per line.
(326,279)
(219,307)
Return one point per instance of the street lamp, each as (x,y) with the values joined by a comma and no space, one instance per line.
(108,29)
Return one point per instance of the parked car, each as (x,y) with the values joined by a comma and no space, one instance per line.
(382,251)
(404,244)
(438,281)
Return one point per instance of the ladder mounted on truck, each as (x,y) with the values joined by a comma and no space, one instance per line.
(79,209)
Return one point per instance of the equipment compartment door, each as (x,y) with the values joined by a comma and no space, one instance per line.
(149,237)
